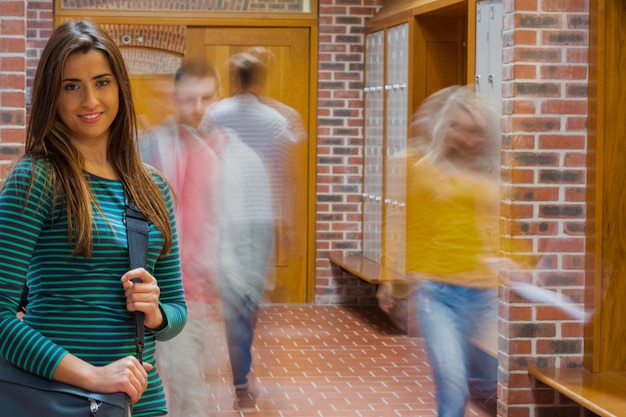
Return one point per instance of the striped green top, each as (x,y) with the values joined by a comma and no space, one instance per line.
(77,304)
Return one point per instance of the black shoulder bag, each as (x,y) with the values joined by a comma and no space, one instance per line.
(27,395)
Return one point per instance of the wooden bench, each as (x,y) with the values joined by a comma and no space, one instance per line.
(375,273)
(603,393)
(366,269)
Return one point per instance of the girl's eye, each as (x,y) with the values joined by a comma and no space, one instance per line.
(102,83)
(70,87)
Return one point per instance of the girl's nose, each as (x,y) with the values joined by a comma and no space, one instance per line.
(90,98)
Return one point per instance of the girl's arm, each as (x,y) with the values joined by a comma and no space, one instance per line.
(23,213)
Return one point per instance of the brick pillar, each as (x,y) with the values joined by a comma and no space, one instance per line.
(339,147)
(544,173)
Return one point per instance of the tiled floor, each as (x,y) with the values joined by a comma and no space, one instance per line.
(330,361)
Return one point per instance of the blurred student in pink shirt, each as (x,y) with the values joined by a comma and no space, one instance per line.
(192,168)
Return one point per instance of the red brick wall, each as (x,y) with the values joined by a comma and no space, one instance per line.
(40,24)
(340,147)
(12,81)
(544,150)
(25,27)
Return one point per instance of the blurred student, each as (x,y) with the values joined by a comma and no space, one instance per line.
(452,231)
(290,245)
(192,168)
(63,232)
(248,237)
(294,121)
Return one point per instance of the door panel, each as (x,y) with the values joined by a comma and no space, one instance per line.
(152,94)
(439,58)
(288,83)
(606,218)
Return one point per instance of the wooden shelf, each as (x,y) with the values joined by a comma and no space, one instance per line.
(366,269)
(600,392)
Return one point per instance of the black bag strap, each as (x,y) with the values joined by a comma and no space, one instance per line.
(23,300)
(137,227)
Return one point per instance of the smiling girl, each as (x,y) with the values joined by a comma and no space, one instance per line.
(63,230)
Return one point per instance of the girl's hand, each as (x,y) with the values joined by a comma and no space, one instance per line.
(142,294)
(125,375)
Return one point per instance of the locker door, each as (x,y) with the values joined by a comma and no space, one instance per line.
(397,130)
(489,47)
(373,150)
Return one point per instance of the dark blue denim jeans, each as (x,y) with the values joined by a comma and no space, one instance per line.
(450,317)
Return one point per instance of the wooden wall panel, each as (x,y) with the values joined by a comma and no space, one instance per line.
(606,225)
(613,278)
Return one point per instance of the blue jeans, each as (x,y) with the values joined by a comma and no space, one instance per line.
(449,317)
(240,322)
(245,253)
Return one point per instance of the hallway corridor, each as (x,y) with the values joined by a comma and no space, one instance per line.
(330,361)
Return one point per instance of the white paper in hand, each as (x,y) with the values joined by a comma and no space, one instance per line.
(540,295)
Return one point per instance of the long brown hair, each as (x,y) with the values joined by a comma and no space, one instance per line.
(47,138)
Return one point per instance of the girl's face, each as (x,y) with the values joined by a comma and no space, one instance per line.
(464,137)
(89,97)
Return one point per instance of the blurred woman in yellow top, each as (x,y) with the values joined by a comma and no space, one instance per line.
(452,231)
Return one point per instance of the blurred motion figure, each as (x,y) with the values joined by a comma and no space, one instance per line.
(452,230)
(192,168)
(251,210)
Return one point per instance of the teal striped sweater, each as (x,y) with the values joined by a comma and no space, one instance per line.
(77,304)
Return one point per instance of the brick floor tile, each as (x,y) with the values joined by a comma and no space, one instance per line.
(329,361)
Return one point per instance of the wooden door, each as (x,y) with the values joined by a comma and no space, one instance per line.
(439,54)
(288,83)
(152,94)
